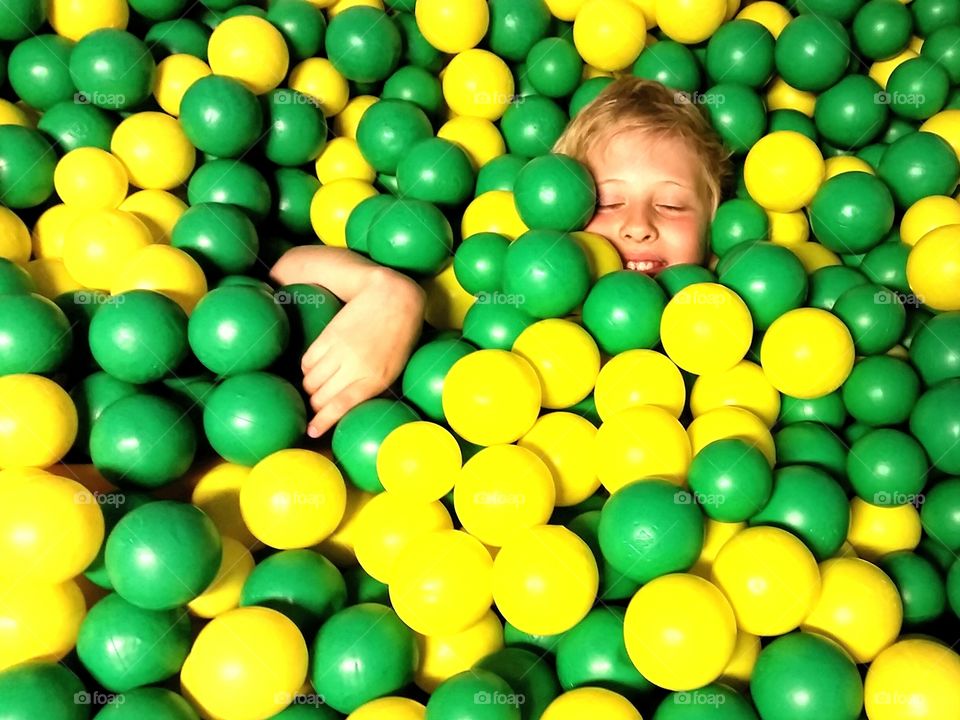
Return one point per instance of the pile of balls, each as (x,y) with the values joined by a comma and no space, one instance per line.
(718,494)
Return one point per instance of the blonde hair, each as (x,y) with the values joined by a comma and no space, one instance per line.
(631,103)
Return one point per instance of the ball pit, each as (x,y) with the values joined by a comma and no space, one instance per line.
(726,490)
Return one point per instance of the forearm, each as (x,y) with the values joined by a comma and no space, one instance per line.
(343,272)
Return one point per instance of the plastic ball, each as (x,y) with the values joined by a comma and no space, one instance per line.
(548,270)
(937,516)
(926,215)
(361,653)
(360,433)
(769,279)
(770,578)
(918,165)
(650,528)
(99,243)
(159,210)
(165,270)
(90,178)
(622,312)
(125,646)
(783,171)
(876,531)
(14,279)
(251,50)
(555,192)
(303,26)
(44,689)
(734,474)
(933,267)
(422,381)
(317,78)
(220,237)
(477,83)
(363,44)
(341,158)
(332,205)
(41,620)
(565,358)
(286,514)
(37,335)
(943,124)
(436,171)
(154,150)
(21,19)
(680,631)
(887,467)
(494,211)
(221,116)
(564,441)
(251,415)
(593,652)
(609,34)
(410,235)
(919,583)
(706,328)
(690,22)
(525,674)
(915,673)
(38,421)
(918,88)
(463,692)
(554,67)
(27,168)
(442,583)
(15,238)
(740,52)
(148,702)
(821,41)
(453,27)
(247,662)
(112,69)
(175,75)
(582,701)
(545,580)
(641,442)
(399,708)
(671,64)
(70,125)
(744,385)
(419,460)
(738,115)
(478,262)
(805,675)
(852,212)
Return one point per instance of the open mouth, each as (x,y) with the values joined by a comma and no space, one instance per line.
(648,267)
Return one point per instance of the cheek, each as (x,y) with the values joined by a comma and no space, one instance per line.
(687,240)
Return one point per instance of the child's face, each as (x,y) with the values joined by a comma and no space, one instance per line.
(651,203)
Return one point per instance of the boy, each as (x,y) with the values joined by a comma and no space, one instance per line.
(659,169)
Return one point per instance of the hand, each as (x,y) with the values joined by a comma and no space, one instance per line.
(364,348)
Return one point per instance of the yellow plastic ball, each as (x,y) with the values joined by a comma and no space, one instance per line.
(246,663)
(946,124)
(100,243)
(443,656)
(649,9)
(339,546)
(386,525)
(813,256)
(75,18)
(38,421)
(933,268)
(340,5)
(479,84)
(876,531)
(639,377)
(782,96)
(564,441)
(491,397)
(679,631)
(51,278)
(51,528)
(223,593)
(690,21)
(715,536)
(347,120)
(846,163)
(15,242)
(926,215)
(881,70)
(319,79)
(609,34)
(590,702)
(442,583)
(493,211)
(419,460)
(447,302)
(706,328)
(38,621)
(341,158)
(731,422)
(159,210)
(859,607)
(331,207)
(770,578)
(565,10)
(175,74)
(738,671)
(453,26)
(11,114)
(293,498)
(390,708)
(915,679)
(772,15)
(503,489)
(545,580)
(807,353)
(49,231)
(216,491)
(565,357)
(783,171)
(790,229)
(90,178)
(602,256)
(163,269)
(155,151)
(641,442)
(744,385)
(478,138)
(249,49)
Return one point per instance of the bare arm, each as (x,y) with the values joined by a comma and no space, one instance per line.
(343,272)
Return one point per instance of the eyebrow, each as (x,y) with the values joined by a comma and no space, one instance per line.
(611,181)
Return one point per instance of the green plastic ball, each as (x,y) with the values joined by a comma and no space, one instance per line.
(881,390)
(361,653)
(918,88)
(499,174)
(737,114)
(650,528)
(363,45)
(495,321)
(410,235)
(731,480)
(221,238)
(310,308)
(882,28)
(587,93)
(935,422)
(113,69)
(39,71)
(475,694)
(812,52)
(723,702)
(222,117)
(622,311)
(920,584)
(939,513)
(555,192)
(416,50)
(359,434)
(139,336)
(874,315)
(547,271)
(388,131)
(738,220)
(296,131)
(593,652)
(768,277)
(887,467)
(676,277)
(181,35)
(829,283)
(293,189)
(35,335)
(852,212)
(233,183)
(358,224)
(479,261)
(789,119)
(43,690)
(302,25)
(919,165)
(929,15)
(943,48)
(554,67)
(125,646)
(614,585)
(152,702)
(812,443)
(532,124)
(848,114)
(72,125)
(414,84)
(422,381)
(886,265)
(27,162)
(14,278)
(671,64)
(740,51)
(436,171)
(935,350)
(526,675)
(114,506)
(19,19)
(842,10)
(516,26)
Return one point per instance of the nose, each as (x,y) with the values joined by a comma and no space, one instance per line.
(637,227)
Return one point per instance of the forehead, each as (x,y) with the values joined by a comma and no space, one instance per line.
(627,153)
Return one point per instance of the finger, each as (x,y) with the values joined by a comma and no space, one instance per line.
(331,388)
(317,350)
(338,406)
(318,375)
